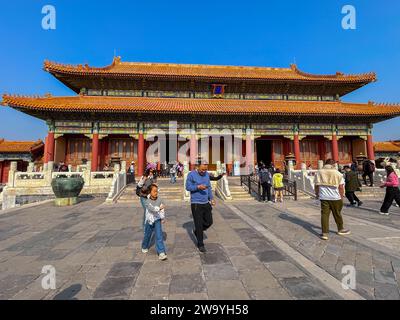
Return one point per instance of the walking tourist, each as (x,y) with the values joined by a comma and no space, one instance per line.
(131,170)
(392,190)
(354,166)
(368,170)
(266,182)
(172,173)
(143,189)
(201,198)
(155,218)
(329,188)
(352,184)
(63,167)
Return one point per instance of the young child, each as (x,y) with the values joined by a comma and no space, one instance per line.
(277,182)
(155,217)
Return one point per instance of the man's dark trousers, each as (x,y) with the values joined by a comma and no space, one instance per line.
(202,217)
(351,196)
(266,188)
(370,175)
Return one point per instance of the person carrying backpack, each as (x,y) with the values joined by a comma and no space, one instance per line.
(266,182)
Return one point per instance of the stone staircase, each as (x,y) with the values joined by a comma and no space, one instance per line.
(238,192)
(171,192)
(167,191)
(129,195)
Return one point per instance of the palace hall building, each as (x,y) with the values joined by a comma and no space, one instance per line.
(281,112)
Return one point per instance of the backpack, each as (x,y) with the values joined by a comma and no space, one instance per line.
(264,176)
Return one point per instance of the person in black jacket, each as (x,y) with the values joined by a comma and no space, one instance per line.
(368,170)
(265,177)
(352,184)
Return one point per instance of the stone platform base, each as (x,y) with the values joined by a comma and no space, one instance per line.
(62,202)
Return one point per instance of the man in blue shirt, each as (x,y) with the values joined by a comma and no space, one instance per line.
(201,198)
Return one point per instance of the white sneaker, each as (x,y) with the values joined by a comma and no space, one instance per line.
(387,213)
(145,250)
(162,256)
(382,213)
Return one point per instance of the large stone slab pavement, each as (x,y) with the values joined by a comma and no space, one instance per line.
(95,250)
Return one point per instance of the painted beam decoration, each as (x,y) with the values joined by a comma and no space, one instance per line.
(73,127)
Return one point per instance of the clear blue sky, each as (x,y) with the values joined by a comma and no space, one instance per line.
(261,33)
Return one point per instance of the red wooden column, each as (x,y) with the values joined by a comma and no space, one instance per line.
(95,152)
(45,150)
(193,150)
(1,171)
(140,164)
(335,148)
(249,151)
(50,146)
(296,145)
(370,148)
(321,149)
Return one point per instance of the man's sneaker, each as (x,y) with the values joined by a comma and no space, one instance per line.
(360,203)
(162,256)
(324,236)
(343,232)
(145,250)
(382,213)
(202,249)
(387,213)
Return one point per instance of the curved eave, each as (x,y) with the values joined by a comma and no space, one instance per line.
(173,72)
(204,107)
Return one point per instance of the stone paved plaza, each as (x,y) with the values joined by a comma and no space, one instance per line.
(255,251)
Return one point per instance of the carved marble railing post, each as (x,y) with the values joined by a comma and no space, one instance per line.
(49,167)
(290,168)
(186,194)
(87,176)
(31,166)
(303,168)
(123,166)
(11,174)
(320,164)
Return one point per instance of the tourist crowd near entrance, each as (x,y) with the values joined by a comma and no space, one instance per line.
(236,115)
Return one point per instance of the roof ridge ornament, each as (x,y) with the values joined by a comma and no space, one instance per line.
(117,60)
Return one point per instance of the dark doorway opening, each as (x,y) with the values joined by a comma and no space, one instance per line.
(264,151)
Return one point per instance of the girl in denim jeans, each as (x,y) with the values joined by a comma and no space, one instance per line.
(155,217)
